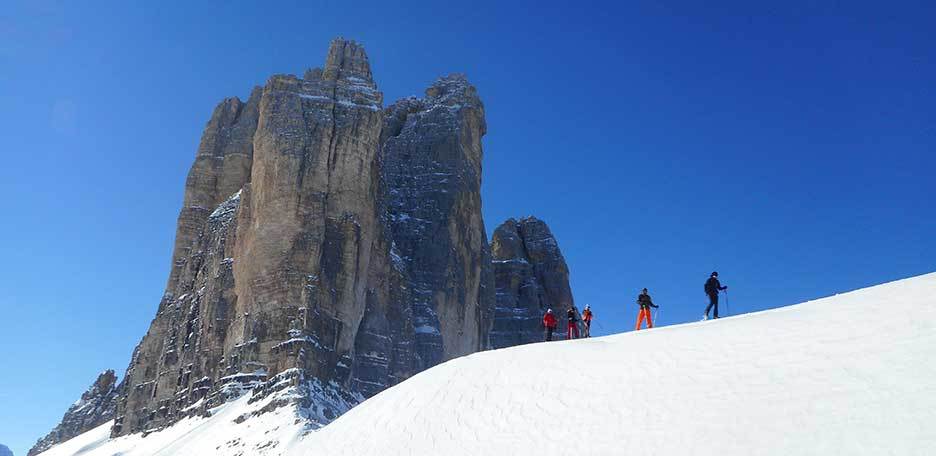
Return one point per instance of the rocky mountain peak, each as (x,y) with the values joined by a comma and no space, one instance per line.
(328,248)
(346,59)
(302,267)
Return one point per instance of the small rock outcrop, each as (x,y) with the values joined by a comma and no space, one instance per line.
(95,408)
(530,276)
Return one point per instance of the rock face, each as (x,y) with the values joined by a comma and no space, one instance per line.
(325,245)
(222,167)
(95,408)
(531,276)
(432,180)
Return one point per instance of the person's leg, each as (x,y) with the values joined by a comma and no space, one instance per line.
(575,330)
(711,302)
(649,320)
(715,303)
(548,335)
(640,317)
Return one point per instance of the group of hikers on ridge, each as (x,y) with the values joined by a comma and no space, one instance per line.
(550,323)
(644,303)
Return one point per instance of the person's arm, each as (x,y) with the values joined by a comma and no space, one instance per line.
(651,302)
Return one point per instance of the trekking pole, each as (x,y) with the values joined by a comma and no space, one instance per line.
(656,314)
(727,309)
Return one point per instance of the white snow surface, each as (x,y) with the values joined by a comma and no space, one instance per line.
(852,374)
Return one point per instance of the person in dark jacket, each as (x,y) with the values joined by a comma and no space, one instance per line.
(550,323)
(645,304)
(573,324)
(712,287)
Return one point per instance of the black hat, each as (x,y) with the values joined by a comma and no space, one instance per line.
(715,274)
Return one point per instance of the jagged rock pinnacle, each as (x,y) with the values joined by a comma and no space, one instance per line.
(346,59)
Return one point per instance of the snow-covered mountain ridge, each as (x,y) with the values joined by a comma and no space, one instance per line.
(849,374)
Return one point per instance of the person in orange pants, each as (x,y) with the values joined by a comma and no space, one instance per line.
(645,304)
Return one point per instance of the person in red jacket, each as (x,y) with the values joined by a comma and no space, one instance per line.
(550,323)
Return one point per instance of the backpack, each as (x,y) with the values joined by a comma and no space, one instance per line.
(710,286)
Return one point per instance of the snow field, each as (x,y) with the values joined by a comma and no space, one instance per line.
(852,374)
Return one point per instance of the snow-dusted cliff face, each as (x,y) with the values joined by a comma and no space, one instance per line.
(312,245)
(326,245)
(849,374)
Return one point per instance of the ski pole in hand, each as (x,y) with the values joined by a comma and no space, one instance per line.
(727,309)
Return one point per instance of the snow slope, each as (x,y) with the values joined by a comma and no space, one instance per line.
(851,374)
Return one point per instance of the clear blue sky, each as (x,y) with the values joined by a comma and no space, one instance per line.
(791,147)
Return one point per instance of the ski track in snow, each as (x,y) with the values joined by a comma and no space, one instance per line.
(852,374)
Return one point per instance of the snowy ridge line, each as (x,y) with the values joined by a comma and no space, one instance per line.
(835,375)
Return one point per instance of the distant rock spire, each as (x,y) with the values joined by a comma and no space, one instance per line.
(346,59)
(530,276)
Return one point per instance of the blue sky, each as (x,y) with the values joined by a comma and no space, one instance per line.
(790,147)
